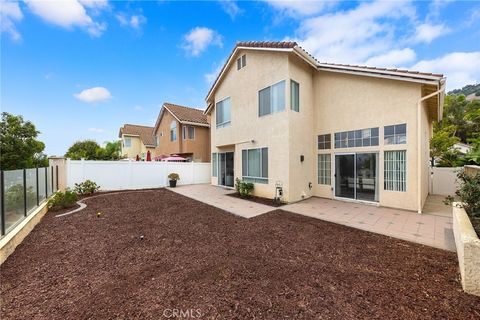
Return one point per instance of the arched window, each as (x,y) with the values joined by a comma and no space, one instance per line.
(173,130)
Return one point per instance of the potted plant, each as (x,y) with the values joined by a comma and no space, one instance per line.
(173,177)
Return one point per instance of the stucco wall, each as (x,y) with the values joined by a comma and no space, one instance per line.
(165,146)
(135,148)
(263,69)
(199,146)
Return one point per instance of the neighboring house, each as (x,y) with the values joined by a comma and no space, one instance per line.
(182,131)
(463,148)
(281,118)
(137,140)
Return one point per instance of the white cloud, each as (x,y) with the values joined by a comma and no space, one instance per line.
(94,4)
(9,14)
(393,58)
(95,94)
(134,21)
(460,68)
(355,35)
(211,76)
(199,39)
(138,108)
(66,14)
(96,130)
(231,8)
(299,7)
(427,32)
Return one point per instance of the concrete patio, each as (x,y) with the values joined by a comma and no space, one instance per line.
(433,228)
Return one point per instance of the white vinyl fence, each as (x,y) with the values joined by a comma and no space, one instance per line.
(443,180)
(118,175)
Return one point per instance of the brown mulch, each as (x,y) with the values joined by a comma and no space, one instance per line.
(208,263)
(261,200)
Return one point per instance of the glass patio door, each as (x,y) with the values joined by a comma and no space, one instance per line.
(356,176)
(226,172)
(345,176)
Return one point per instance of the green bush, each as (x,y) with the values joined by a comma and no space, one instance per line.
(173,176)
(86,187)
(62,200)
(243,188)
(468,193)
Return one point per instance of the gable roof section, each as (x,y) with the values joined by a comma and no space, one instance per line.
(184,115)
(290,46)
(144,132)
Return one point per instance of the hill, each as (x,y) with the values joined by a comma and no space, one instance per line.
(472,90)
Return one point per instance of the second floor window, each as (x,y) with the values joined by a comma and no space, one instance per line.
(324,141)
(188,132)
(127,142)
(241,62)
(173,130)
(294,95)
(222,113)
(271,99)
(396,134)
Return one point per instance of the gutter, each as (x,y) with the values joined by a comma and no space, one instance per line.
(419,141)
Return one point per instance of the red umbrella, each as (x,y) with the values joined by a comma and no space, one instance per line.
(149,156)
(137,158)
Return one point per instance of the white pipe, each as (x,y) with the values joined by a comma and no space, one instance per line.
(419,144)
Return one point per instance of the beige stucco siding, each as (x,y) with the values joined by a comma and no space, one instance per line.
(165,146)
(348,102)
(136,147)
(199,147)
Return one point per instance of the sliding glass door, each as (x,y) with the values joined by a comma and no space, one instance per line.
(356,176)
(225,169)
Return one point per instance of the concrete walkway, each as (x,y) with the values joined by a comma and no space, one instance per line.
(217,197)
(430,229)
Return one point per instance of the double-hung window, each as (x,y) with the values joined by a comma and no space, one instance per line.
(294,95)
(222,113)
(173,130)
(255,165)
(271,99)
(241,62)
(188,132)
(395,167)
(396,134)
(127,142)
(324,169)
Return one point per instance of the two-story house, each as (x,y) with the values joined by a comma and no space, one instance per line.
(182,131)
(136,141)
(280,118)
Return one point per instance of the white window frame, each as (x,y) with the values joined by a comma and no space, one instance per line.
(292,107)
(127,144)
(396,136)
(241,61)
(395,170)
(186,132)
(224,123)
(324,169)
(173,130)
(272,111)
(246,177)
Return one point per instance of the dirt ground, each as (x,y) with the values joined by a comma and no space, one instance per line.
(199,262)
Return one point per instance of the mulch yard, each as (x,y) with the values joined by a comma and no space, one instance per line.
(209,264)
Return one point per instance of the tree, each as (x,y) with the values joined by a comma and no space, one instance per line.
(86,149)
(90,150)
(19,147)
(442,141)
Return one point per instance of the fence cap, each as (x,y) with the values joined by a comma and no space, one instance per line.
(56,157)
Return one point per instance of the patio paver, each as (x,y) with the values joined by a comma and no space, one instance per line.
(217,197)
(428,228)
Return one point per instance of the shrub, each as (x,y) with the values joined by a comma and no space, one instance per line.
(173,176)
(243,188)
(468,193)
(14,197)
(86,187)
(62,200)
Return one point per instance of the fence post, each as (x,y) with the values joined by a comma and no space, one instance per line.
(46,183)
(2,209)
(51,179)
(193,172)
(56,174)
(25,192)
(38,197)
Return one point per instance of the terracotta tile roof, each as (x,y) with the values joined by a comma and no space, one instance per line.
(267,44)
(292,45)
(145,133)
(186,114)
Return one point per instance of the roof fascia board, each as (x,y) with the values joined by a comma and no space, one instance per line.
(385,72)
(383,76)
(195,124)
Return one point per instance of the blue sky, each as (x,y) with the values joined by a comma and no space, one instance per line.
(80,68)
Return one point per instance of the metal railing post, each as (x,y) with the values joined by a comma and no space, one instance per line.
(25,192)
(38,197)
(46,182)
(2,209)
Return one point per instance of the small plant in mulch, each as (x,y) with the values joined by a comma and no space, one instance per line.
(469,195)
(88,187)
(61,200)
(243,188)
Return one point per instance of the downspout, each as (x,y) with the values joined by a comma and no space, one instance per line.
(419,143)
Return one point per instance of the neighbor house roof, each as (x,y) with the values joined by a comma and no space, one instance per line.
(184,115)
(291,46)
(144,132)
